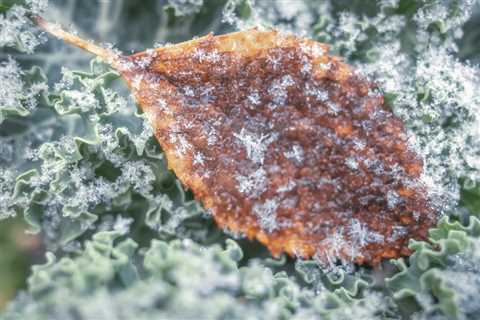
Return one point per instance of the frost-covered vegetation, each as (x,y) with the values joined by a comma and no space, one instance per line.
(123,239)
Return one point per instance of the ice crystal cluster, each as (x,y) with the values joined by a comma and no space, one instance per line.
(123,239)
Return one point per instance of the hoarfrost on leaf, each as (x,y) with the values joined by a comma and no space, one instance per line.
(16,28)
(15,95)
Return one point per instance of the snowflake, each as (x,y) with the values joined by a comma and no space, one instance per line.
(266,212)
(296,154)
(256,146)
(253,184)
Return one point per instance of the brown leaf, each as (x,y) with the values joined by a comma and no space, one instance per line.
(281,142)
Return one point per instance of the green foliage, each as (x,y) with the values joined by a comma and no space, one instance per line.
(175,280)
(442,276)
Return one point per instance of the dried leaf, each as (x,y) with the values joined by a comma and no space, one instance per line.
(281,142)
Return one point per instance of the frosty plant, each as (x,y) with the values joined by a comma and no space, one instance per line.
(269,135)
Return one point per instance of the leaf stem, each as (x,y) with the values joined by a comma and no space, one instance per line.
(108,55)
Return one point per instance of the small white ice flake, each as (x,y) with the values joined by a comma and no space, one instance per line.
(306,66)
(392,199)
(325,66)
(296,154)
(398,231)
(208,56)
(351,163)
(274,62)
(211,134)
(333,107)
(267,214)
(189,92)
(361,235)
(162,105)
(122,225)
(256,146)
(198,158)
(318,93)
(206,94)
(137,80)
(278,89)
(359,144)
(254,184)
(183,145)
(147,59)
(332,247)
(254,98)
(315,49)
(288,187)
(211,139)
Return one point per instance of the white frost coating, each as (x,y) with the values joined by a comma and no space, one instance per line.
(256,146)
(441,11)
(16,28)
(83,100)
(145,61)
(210,132)
(13,91)
(254,184)
(267,214)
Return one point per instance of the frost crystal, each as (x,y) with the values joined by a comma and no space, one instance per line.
(351,163)
(266,213)
(15,95)
(278,89)
(296,153)
(254,184)
(361,235)
(255,145)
